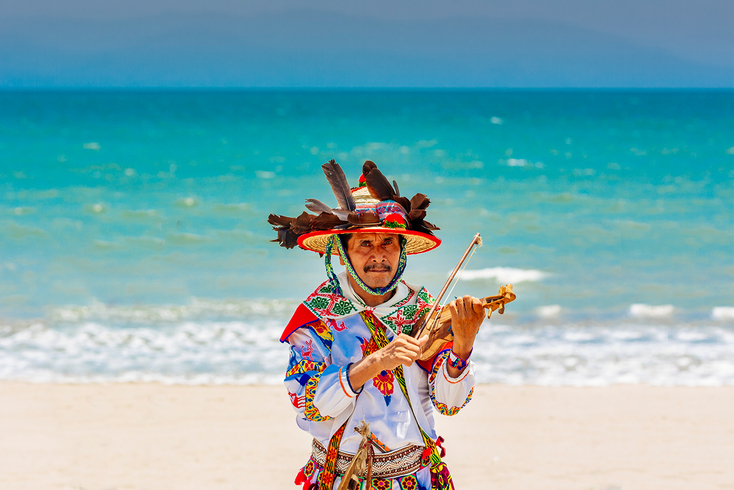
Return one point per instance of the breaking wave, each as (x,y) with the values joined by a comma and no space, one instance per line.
(504,275)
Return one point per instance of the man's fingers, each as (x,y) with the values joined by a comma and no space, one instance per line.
(476,304)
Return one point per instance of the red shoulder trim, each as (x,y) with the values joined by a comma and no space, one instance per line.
(427,365)
(301,317)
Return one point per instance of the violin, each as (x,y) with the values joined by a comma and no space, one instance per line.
(437,324)
(438,327)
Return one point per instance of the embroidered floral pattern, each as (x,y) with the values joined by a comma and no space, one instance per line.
(311,412)
(405,315)
(384,382)
(380,484)
(309,469)
(325,302)
(409,482)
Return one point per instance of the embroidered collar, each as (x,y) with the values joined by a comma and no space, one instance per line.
(398,314)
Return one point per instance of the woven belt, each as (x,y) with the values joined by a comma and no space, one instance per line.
(395,463)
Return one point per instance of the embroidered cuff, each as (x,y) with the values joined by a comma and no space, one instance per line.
(457,362)
(345,383)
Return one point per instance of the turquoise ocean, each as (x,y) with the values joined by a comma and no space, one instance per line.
(134,244)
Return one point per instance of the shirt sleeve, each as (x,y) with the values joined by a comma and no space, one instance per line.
(318,389)
(449,395)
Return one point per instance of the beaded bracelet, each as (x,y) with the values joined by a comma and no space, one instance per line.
(457,362)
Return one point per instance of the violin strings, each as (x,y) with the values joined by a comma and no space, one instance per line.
(456,279)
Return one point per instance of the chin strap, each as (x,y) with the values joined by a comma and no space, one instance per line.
(334,241)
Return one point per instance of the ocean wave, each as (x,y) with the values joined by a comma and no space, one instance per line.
(642,310)
(601,356)
(177,349)
(504,275)
(197,308)
(723,313)
(186,352)
(548,311)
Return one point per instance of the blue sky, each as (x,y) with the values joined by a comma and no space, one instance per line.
(397,43)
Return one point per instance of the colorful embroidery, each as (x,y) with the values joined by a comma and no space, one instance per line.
(311,412)
(405,315)
(340,327)
(297,401)
(304,367)
(307,350)
(409,482)
(443,409)
(322,331)
(379,444)
(326,302)
(457,362)
(328,475)
(437,363)
(309,469)
(384,384)
(380,484)
(385,466)
(440,477)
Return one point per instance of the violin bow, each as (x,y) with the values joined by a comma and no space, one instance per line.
(477,240)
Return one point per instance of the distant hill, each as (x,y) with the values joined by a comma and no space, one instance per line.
(318,49)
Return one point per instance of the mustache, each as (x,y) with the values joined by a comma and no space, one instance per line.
(378,267)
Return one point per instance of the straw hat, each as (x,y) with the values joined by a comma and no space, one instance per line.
(373,207)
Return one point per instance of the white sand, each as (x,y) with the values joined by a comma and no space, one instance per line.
(149,436)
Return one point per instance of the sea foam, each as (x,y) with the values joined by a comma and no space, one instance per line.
(504,275)
(723,313)
(642,310)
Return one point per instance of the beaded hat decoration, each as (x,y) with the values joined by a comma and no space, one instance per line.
(375,206)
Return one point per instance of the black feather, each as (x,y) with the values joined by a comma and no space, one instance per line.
(326,221)
(317,206)
(339,185)
(378,185)
(403,202)
(397,190)
(419,201)
(302,224)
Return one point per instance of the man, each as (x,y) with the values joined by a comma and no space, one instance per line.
(353,359)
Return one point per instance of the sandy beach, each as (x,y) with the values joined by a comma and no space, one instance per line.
(151,436)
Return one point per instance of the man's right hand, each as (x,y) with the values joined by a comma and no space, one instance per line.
(403,349)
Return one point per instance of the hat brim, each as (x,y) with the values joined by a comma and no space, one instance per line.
(416,242)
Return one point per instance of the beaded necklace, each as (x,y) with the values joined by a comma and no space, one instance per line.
(335,242)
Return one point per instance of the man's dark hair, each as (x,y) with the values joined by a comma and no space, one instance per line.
(345,240)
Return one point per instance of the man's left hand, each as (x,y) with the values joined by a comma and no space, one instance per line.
(467,315)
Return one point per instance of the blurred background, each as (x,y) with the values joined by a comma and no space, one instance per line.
(142,147)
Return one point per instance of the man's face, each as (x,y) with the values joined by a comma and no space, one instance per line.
(375,257)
